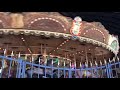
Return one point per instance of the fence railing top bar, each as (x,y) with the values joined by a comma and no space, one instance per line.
(8,58)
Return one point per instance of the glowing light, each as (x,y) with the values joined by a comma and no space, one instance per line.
(64,41)
(67,40)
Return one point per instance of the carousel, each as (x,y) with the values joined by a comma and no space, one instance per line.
(49,38)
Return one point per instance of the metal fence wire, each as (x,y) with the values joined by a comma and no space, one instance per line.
(18,68)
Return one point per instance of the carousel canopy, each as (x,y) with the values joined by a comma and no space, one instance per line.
(54,34)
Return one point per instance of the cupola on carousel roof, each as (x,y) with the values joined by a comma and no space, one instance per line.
(51,33)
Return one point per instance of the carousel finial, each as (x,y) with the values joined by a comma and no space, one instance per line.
(32,58)
(4,52)
(100,63)
(52,61)
(86,64)
(58,62)
(12,54)
(25,56)
(109,60)
(96,63)
(75,64)
(105,61)
(80,64)
(45,61)
(90,63)
(118,58)
(70,64)
(19,55)
(39,60)
(113,59)
(64,63)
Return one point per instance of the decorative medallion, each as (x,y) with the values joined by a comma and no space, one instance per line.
(113,43)
(76,27)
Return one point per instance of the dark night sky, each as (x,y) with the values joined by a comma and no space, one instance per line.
(110,20)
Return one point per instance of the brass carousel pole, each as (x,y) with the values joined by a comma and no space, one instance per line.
(91,69)
(64,66)
(40,61)
(91,65)
(41,49)
(6,52)
(102,76)
(86,56)
(86,61)
(25,57)
(80,67)
(75,64)
(12,56)
(44,55)
(45,59)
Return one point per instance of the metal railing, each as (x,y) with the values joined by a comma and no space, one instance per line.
(17,68)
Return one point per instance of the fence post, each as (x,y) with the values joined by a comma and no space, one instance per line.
(109,69)
(19,70)
(70,71)
(2,65)
(9,69)
(23,69)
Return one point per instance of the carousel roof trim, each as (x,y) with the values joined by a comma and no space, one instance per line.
(56,35)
